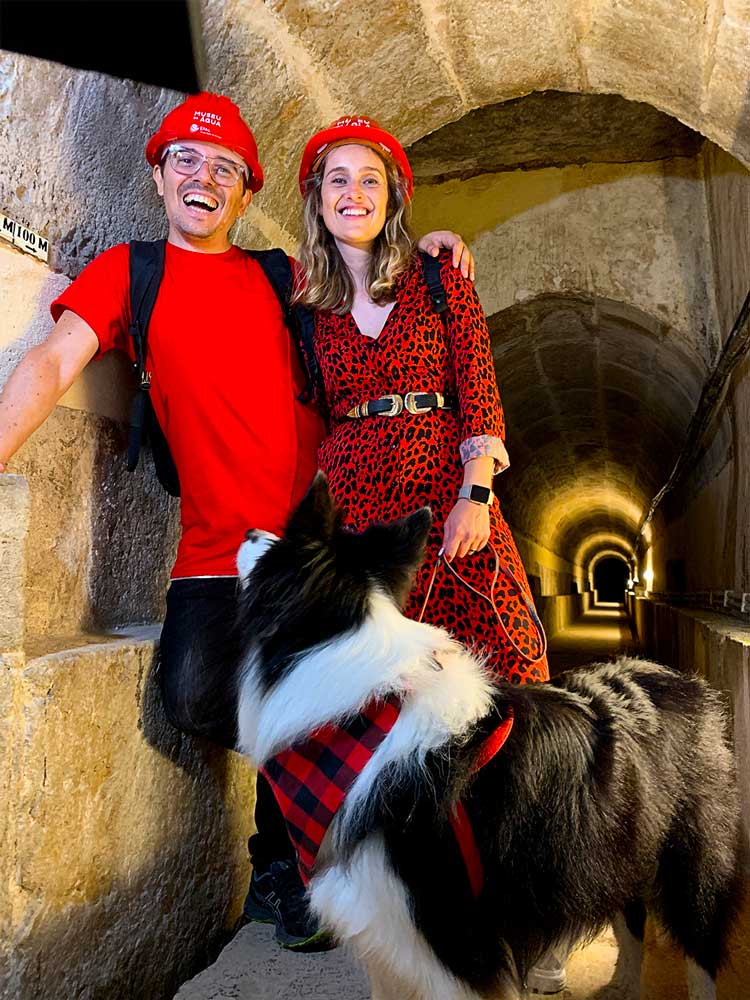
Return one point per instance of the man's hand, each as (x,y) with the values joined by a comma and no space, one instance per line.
(444,239)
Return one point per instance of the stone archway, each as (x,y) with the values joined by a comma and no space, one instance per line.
(608,576)
(597,399)
(418,66)
(422,65)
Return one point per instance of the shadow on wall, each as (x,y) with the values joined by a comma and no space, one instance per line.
(101,540)
(134,535)
(132,933)
(736,552)
(140,942)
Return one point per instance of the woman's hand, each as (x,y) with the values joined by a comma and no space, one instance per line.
(467,529)
(444,239)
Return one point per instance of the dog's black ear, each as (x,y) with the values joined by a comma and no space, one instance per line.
(416,528)
(393,552)
(314,518)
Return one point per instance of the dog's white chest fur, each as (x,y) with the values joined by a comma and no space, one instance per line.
(444,689)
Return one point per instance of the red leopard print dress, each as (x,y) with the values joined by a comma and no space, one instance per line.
(381,468)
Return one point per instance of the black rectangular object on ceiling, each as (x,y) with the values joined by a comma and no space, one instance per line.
(150,41)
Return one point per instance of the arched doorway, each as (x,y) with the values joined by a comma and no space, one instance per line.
(610,575)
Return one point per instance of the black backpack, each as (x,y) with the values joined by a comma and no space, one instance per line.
(146,270)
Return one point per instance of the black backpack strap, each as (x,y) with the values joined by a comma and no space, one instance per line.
(313,388)
(278,270)
(146,271)
(299,319)
(146,265)
(431,272)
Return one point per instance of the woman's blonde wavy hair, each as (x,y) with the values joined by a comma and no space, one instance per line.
(323,281)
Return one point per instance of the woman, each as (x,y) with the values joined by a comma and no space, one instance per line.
(377,334)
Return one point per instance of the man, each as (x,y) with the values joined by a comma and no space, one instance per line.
(225,386)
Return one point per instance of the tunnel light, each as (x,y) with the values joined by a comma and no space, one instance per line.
(648,578)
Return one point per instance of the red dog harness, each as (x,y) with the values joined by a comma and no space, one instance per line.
(459,818)
(310,781)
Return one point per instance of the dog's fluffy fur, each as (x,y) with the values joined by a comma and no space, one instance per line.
(614,795)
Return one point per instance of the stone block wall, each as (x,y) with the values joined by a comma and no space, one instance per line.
(122,842)
(122,852)
(14,526)
(717,490)
(557,613)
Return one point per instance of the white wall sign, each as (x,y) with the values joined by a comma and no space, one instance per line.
(23,238)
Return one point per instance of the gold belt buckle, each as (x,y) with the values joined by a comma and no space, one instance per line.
(397,405)
(410,402)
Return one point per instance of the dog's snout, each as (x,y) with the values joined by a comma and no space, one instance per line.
(251,534)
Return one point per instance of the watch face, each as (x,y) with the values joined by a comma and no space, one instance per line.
(481,494)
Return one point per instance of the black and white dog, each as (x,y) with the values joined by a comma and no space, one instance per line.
(614,795)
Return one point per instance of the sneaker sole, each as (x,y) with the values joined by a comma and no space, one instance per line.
(257,913)
(320,941)
(546,985)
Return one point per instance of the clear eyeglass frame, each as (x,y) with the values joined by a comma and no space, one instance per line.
(186,161)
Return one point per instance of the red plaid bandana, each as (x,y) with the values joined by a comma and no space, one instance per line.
(310,780)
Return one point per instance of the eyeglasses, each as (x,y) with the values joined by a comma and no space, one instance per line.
(187,162)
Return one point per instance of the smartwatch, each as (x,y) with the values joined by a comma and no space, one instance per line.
(477,494)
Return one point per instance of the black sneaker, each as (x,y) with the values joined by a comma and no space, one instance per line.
(277,896)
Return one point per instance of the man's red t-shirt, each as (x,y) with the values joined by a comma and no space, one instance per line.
(225,379)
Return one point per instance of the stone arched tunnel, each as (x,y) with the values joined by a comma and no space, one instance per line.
(595,156)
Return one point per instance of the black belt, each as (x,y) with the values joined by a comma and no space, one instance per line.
(412,402)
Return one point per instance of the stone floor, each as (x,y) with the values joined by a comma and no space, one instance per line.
(600,634)
(252,967)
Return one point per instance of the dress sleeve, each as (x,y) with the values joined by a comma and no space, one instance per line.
(480,409)
(100,295)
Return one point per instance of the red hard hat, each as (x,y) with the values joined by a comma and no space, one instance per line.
(209,118)
(353,129)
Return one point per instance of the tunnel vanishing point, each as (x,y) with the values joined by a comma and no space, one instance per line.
(595,155)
